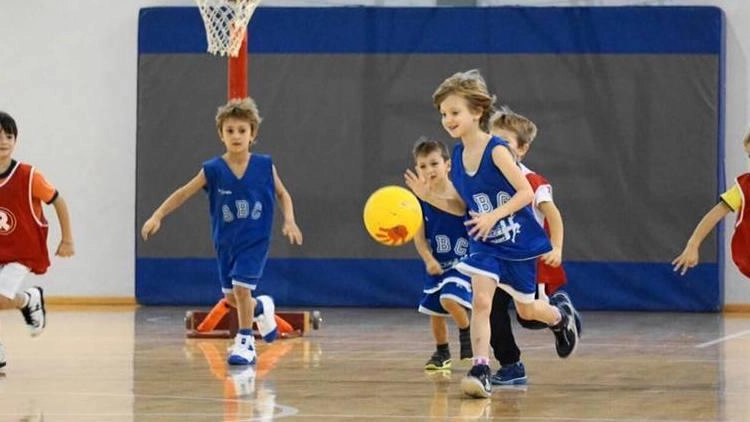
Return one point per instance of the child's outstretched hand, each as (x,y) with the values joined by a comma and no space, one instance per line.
(150,227)
(417,183)
(553,258)
(65,249)
(292,232)
(481,224)
(687,259)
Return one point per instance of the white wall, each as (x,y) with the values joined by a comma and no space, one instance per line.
(68,76)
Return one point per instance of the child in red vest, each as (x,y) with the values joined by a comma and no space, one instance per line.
(23,231)
(732,200)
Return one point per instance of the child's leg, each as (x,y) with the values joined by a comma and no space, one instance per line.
(441,358)
(539,310)
(245,307)
(243,350)
(30,302)
(461,317)
(501,333)
(512,371)
(483,289)
(11,279)
(439,329)
(560,320)
(430,305)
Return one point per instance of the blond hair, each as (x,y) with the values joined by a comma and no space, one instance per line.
(471,86)
(507,119)
(242,109)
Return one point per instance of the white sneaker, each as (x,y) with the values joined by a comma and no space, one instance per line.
(243,380)
(267,320)
(243,351)
(2,355)
(34,312)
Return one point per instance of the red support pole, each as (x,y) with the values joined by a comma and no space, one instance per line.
(237,73)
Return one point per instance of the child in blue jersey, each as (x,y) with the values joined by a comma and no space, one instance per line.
(242,188)
(504,237)
(441,242)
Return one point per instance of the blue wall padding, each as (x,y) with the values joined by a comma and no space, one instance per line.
(542,30)
(398,283)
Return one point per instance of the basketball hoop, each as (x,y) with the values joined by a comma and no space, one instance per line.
(226,24)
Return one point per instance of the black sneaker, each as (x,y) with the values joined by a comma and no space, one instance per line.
(560,297)
(477,382)
(465,341)
(34,313)
(438,361)
(566,335)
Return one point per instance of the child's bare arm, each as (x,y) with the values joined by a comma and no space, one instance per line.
(289,228)
(423,249)
(173,201)
(450,202)
(66,247)
(690,255)
(554,219)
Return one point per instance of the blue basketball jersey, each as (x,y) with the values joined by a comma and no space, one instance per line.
(446,234)
(241,208)
(516,237)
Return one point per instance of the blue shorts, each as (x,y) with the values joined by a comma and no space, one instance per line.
(455,287)
(241,267)
(518,278)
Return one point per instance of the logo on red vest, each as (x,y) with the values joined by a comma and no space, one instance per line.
(7,222)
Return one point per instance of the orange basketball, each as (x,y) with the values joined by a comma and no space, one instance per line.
(392,215)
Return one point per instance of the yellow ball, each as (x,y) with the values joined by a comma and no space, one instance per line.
(392,215)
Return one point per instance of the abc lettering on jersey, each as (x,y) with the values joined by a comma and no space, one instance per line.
(242,208)
(517,236)
(23,235)
(446,234)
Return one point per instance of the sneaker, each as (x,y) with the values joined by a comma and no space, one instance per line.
(512,374)
(243,380)
(559,297)
(266,321)
(34,312)
(2,355)
(438,361)
(477,382)
(243,351)
(465,341)
(566,335)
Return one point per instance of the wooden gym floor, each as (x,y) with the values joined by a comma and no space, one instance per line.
(134,364)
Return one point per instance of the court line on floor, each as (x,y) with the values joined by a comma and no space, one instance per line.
(722,339)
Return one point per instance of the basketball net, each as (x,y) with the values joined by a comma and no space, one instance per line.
(226,24)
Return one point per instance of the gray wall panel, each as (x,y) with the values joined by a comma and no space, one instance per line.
(628,141)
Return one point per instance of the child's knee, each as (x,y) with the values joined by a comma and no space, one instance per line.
(481,302)
(241,292)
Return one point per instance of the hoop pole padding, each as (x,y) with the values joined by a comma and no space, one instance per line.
(237,73)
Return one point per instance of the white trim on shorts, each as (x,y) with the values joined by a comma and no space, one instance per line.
(455,280)
(241,284)
(458,300)
(469,270)
(11,278)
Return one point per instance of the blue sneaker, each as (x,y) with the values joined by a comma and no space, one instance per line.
(242,351)
(560,297)
(512,374)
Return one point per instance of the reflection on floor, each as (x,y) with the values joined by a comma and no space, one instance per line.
(366,364)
